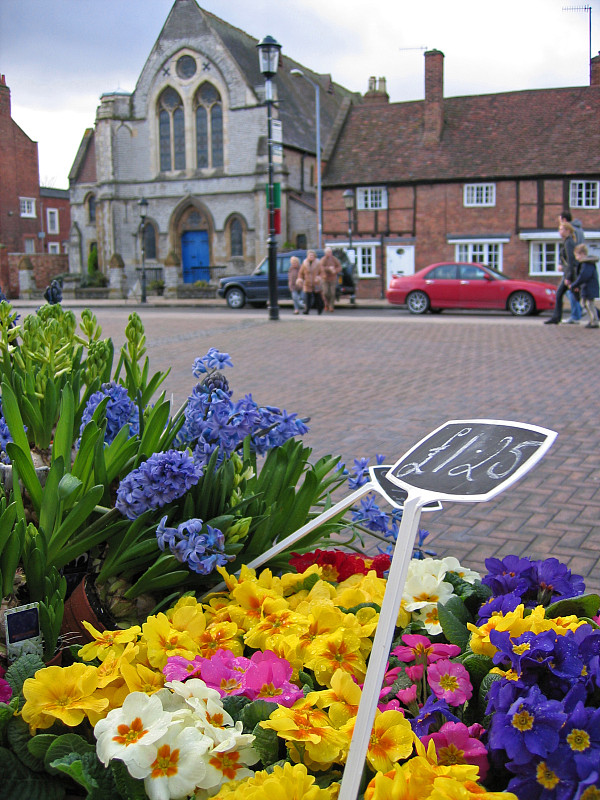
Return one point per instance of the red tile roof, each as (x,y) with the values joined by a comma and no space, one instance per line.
(542,132)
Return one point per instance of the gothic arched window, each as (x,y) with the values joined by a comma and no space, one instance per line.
(236,237)
(209,127)
(91,204)
(171,131)
(149,241)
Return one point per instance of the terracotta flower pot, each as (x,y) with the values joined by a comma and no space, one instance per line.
(83,604)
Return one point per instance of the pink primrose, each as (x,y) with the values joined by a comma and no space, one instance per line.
(450,682)
(179,668)
(267,678)
(415,673)
(454,746)
(407,696)
(393,705)
(419,648)
(391,675)
(5,691)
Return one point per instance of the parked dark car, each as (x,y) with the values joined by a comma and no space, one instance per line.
(254,288)
(457,285)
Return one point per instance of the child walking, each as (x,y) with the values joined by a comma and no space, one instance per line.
(588,282)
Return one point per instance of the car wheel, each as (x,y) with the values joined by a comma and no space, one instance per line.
(235,298)
(417,302)
(521,304)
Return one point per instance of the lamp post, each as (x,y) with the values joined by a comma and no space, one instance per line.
(143,204)
(316,87)
(268,59)
(349,203)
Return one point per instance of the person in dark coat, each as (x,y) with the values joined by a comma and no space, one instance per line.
(569,266)
(587,281)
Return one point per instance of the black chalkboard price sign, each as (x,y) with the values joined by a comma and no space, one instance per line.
(471,460)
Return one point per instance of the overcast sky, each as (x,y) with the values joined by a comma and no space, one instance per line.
(59,56)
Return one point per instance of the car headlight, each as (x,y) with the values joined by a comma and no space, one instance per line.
(550,291)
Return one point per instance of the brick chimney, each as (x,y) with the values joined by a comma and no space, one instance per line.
(595,71)
(4,98)
(433,116)
(377,91)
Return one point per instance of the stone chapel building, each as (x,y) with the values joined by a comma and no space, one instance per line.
(191,139)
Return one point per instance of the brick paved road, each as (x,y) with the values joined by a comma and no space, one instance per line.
(378,383)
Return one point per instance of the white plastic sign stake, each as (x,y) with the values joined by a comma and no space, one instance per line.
(469,461)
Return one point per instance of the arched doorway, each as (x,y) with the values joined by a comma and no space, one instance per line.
(195,249)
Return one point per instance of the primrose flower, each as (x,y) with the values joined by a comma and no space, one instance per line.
(268,678)
(450,681)
(164,477)
(105,641)
(291,782)
(420,649)
(529,729)
(224,672)
(342,699)
(391,739)
(454,745)
(66,694)
(129,733)
(179,765)
(179,668)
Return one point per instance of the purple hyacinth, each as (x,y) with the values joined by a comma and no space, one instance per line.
(211,361)
(5,437)
(201,551)
(120,411)
(163,478)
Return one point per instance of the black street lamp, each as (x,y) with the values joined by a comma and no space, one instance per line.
(143,204)
(349,203)
(268,59)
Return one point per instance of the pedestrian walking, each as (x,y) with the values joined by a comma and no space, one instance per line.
(312,279)
(295,284)
(331,269)
(569,266)
(588,281)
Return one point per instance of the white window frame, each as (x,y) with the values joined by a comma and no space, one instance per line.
(542,253)
(480,251)
(54,247)
(29,245)
(52,220)
(371,198)
(27,207)
(366,261)
(479,194)
(584,194)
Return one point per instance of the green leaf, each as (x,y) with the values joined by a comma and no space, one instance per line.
(62,746)
(63,436)
(233,705)
(21,783)
(129,788)
(456,606)
(69,485)
(23,668)
(17,732)
(39,744)
(586,605)
(22,460)
(485,687)
(266,744)
(74,519)
(50,500)
(478,666)
(255,712)
(455,631)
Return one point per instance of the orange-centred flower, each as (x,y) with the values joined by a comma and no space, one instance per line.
(342,699)
(285,782)
(65,694)
(104,642)
(339,650)
(163,640)
(391,739)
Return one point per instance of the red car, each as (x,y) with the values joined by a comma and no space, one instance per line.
(453,285)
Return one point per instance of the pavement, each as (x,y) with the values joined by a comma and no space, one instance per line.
(375,379)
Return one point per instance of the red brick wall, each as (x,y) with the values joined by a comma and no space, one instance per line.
(45,267)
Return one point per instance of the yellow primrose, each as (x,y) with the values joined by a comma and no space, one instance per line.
(253,601)
(220,635)
(115,693)
(264,635)
(292,581)
(142,679)
(289,647)
(163,640)
(320,620)
(65,694)
(321,592)
(103,641)
(110,669)
(339,650)
(393,785)
(342,699)
(287,782)
(309,726)
(391,739)
(450,789)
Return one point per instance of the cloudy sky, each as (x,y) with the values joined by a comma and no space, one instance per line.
(59,56)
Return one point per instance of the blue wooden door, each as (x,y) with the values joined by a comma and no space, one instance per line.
(195,256)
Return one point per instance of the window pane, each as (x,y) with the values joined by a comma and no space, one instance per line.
(170,99)
(216,135)
(149,241)
(92,209)
(208,94)
(186,67)
(164,127)
(179,138)
(237,238)
(201,138)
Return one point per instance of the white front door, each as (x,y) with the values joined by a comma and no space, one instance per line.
(400,260)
